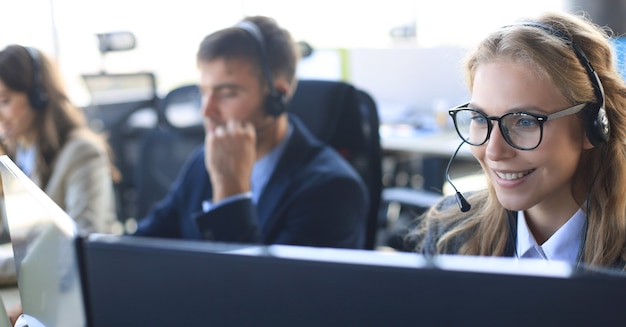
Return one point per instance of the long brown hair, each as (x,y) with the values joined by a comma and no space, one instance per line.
(58,117)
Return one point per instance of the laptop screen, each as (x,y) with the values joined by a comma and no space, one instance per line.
(42,236)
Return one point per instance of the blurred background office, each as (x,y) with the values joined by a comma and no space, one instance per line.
(167,34)
(404,53)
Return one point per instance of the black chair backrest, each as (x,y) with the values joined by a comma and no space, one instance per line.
(125,107)
(165,148)
(347,119)
(180,109)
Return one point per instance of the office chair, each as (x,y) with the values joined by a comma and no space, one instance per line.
(347,119)
(124,107)
(164,149)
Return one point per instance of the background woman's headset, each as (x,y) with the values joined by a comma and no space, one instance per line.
(37,96)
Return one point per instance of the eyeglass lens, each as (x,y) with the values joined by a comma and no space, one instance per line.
(520,130)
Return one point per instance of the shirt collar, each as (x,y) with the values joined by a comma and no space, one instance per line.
(563,245)
(25,159)
(264,167)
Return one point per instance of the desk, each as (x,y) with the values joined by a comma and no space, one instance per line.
(430,143)
(434,148)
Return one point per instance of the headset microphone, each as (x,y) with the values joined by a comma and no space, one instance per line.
(460,199)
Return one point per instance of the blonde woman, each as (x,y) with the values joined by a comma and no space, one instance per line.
(546,122)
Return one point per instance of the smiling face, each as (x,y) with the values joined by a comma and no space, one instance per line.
(538,179)
(16,115)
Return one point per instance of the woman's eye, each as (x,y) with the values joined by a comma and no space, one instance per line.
(479,119)
(526,122)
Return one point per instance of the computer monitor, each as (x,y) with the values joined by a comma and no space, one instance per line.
(134,281)
(43,237)
(108,280)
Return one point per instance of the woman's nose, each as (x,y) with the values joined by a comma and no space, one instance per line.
(497,148)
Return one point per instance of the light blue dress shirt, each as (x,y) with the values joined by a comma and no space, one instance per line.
(25,159)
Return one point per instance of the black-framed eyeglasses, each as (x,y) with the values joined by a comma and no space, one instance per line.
(521,130)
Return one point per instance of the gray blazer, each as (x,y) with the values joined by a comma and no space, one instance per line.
(81,182)
(81,185)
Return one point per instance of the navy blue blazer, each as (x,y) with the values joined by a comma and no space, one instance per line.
(313,198)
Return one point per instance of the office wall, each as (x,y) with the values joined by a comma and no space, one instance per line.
(603,12)
(410,79)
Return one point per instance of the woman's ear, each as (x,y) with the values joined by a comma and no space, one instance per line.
(587,145)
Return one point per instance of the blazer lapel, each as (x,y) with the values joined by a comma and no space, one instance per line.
(300,147)
(511,244)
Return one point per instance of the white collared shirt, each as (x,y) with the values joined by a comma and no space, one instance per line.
(563,245)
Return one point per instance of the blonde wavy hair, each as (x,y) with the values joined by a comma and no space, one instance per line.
(485,227)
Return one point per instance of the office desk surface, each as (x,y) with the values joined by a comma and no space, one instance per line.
(429,143)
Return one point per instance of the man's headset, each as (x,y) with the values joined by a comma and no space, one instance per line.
(596,121)
(37,96)
(275,102)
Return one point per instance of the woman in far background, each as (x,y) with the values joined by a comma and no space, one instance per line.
(49,139)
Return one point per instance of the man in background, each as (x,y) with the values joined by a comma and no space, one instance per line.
(261,176)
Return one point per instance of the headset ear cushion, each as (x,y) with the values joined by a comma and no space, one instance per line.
(37,96)
(596,124)
(38,99)
(275,104)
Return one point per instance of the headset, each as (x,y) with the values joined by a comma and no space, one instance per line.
(596,121)
(275,102)
(37,96)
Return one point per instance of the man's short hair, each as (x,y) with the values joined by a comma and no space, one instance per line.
(236,43)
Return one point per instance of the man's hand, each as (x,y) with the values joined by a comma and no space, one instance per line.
(230,153)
